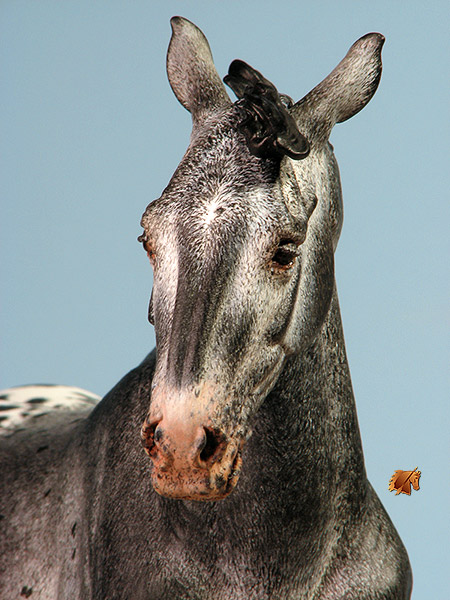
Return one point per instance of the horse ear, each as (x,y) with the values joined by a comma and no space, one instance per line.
(191,71)
(346,90)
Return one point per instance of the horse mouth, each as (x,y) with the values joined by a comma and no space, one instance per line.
(197,483)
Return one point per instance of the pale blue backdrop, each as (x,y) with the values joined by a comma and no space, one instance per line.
(91,132)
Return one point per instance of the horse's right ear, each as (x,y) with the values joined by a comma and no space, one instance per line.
(191,71)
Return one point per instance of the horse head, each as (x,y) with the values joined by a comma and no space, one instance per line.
(242,246)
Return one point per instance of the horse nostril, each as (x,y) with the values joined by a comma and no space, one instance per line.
(148,436)
(213,440)
(158,435)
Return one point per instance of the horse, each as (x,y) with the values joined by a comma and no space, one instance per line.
(251,483)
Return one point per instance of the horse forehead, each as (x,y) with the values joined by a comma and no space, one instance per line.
(224,216)
(218,187)
(214,202)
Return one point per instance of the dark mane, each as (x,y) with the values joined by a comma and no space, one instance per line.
(268,127)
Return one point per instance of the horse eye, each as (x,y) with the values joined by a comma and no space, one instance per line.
(150,253)
(148,248)
(284,256)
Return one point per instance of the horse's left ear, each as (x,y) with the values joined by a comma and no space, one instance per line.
(346,90)
(191,71)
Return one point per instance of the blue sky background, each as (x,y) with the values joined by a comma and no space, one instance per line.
(91,133)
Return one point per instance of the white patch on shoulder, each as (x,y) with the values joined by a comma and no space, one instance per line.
(19,406)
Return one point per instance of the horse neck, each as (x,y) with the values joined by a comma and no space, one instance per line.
(307,431)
